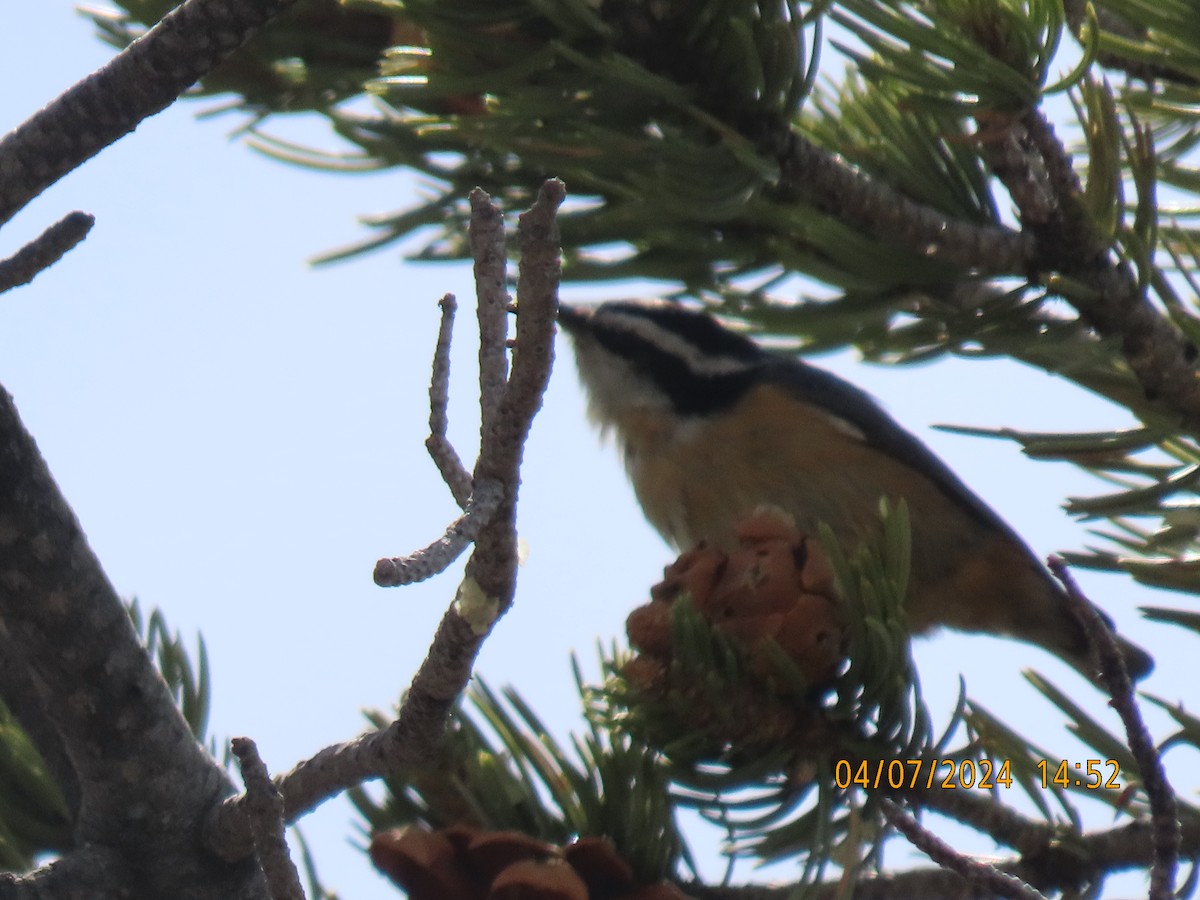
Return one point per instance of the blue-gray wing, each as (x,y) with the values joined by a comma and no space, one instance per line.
(880,430)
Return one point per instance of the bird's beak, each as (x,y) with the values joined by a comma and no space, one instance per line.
(573,319)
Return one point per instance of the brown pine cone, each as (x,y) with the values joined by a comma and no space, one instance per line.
(777,586)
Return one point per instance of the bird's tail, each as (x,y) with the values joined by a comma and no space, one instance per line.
(1067,639)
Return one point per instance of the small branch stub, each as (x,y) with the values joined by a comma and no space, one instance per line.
(437,557)
(44,250)
(441,451)
(264,808)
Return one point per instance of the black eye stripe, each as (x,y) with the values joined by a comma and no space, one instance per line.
(690,392)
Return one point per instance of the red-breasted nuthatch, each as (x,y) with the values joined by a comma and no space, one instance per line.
(713,426)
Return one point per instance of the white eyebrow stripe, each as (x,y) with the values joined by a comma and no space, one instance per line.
(654,334)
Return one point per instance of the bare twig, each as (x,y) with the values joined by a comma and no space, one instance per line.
(138,82)
(540,271)
(264,809)
(490,578)
(493,566)
(44,250)
(486,235)
(537,232)
(441,451)
(437,557)
(1163,810)
(947,857)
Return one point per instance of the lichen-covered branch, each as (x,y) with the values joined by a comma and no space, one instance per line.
(489,581)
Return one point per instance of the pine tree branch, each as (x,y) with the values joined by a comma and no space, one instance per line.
(1007,148)
(44,250)
(1133,846)
(811,173)
(141,80)
(489,582)
(1161,358)
(1035,168)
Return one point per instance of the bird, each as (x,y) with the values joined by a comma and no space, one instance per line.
(713,425)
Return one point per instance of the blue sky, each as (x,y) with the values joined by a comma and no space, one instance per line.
(241,437)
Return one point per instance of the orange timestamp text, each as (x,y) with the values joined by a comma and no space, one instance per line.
(1090,774)
(968,774)
(898,774)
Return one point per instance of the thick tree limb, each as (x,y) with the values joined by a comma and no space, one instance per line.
(1161,358)
(1034,167)
(141,80)
(824,179)
(109,728)
(144,781)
